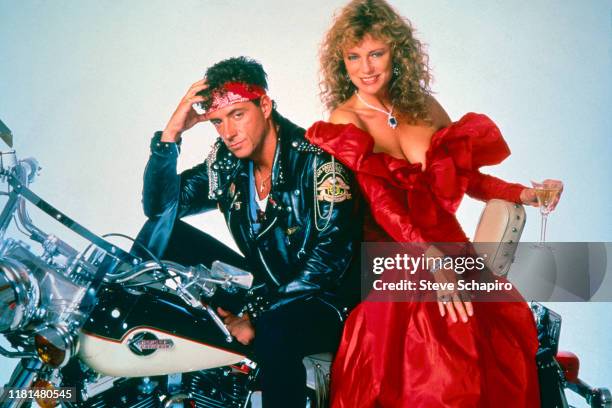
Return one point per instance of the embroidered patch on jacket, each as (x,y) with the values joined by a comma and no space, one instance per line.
(331,183)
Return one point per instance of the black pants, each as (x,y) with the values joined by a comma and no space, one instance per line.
(283,336)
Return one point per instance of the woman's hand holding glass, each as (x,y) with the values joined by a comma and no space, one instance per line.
(529,196)
(546,196)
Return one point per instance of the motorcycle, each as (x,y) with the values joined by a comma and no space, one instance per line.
(101,327)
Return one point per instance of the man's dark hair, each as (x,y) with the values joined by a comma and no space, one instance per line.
(237,69)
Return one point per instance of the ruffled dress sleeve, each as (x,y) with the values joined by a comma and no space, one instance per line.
(488,148)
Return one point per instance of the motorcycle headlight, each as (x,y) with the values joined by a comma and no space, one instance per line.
(55,345)
(19,295)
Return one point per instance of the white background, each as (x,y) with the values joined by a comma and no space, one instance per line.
(83,86)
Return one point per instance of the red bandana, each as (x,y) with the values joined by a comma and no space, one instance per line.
(234,92)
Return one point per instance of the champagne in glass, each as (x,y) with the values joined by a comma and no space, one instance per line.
(546,194)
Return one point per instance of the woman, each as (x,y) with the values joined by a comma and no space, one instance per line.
(413,166)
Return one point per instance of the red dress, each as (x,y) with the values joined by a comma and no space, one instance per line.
(404,354)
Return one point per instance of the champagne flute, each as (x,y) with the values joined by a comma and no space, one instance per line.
(546,194)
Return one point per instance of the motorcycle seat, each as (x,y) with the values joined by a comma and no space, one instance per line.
(498,233)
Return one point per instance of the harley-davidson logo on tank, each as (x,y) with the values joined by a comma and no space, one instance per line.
(147,343)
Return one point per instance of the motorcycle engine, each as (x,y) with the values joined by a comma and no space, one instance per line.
(224,387)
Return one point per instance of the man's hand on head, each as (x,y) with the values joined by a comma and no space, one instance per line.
(239,326)
(185,116)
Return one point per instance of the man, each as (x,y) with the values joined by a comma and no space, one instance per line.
(288,205)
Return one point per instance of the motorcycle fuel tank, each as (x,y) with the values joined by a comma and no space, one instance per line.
(146,333)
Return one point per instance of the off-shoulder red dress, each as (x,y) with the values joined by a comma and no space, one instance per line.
(404,354)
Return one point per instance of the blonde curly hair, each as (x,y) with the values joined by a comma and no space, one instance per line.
(409,86)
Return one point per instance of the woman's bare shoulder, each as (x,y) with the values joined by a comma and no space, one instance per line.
(344,114)
(439,117)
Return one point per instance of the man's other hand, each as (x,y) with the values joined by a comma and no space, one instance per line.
(239,326)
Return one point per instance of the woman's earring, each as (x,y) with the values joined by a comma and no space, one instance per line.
(396,70)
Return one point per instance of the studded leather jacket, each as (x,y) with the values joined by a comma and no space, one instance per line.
(306,239)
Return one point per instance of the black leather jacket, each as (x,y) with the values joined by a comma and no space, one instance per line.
(312,226)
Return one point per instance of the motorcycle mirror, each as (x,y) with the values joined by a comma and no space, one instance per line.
(237,276)
(5,134)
